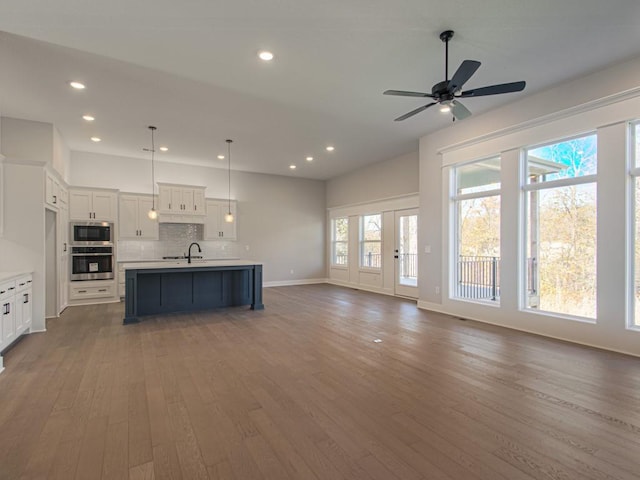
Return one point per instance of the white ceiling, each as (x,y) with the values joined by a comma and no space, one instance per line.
(190,68)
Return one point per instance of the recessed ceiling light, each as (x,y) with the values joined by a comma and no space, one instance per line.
(309,159)
(88,118)
(96,139)
(220,157)
(77,85)
(164,149)
(265,55)
(292,167)
(330,148)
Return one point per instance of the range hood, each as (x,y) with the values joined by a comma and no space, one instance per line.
(169,218)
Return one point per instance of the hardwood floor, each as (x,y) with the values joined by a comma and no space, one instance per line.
(302,391)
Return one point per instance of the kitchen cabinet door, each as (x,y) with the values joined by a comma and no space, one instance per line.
(148,228)
(8,320)
(187,200)
(128,219)
(104,206)
(198,202)
(135,223)
(215,227)
(81,205)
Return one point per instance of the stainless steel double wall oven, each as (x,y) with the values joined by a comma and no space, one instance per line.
(92,251)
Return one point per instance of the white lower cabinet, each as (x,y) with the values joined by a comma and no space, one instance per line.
(15,308)
(98,289)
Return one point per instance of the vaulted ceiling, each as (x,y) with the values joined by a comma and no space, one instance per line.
(191,69)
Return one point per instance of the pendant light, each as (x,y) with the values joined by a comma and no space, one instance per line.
(153,214)
(229,216)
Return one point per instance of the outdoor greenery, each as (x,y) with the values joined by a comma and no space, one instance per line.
(562,230)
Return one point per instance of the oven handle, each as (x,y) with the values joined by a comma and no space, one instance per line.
(91,254)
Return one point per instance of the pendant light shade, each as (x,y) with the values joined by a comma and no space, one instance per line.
(153,213)
(229,216)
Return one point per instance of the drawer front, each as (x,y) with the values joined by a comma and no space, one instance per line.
(77,293)
(7,289)
(24,283)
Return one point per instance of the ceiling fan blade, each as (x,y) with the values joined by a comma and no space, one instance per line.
(463,74)
(413,112)
(459,110)
(402,93)
(495,89)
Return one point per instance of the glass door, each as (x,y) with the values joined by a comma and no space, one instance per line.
(406,253)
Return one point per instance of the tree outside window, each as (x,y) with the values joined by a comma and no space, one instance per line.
(371,241)
(561,227)
(340,241)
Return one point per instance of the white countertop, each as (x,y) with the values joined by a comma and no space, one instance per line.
(173,260)
(11,275)
(193,264)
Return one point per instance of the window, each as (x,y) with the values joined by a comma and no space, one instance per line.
(560,208)
(340,241)
(476,209)
(371,241)
(635,173)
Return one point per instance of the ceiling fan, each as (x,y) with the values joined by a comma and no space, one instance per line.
(445,93)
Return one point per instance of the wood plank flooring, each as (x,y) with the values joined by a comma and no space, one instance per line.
(301,391)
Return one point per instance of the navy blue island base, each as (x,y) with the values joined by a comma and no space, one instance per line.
(154,289)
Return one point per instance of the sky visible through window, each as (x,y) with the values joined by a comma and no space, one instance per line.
(574,158)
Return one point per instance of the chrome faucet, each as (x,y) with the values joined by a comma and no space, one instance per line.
(199,250)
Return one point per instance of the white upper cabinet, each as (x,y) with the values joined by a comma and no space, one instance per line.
(55,194)
(181,199)
(215,226)
(134,221)
(93,205)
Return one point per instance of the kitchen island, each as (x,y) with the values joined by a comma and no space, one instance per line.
(154,288)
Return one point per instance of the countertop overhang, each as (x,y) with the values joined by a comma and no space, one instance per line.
(177,264)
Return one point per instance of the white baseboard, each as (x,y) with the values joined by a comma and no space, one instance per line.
(43,330)
(434,307)
(288,283)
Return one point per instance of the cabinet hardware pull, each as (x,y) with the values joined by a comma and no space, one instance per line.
(2,291)
(23,284)
(102,290)
(12,288)
(55,199)
(82,291)
(169,206)
(29,281)
(65,247)
(26,298)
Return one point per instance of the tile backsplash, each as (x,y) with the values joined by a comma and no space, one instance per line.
(175,239)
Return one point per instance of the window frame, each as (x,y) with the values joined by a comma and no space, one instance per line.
(633,177)
(455,199)
(334,242)
(525,188)
(362,242)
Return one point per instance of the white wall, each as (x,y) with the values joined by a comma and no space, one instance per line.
(281,220)
(23,243)
(391,178)
(27,141)
(603,101)
(61,155)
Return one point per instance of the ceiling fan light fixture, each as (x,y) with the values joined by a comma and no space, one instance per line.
(445,108)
